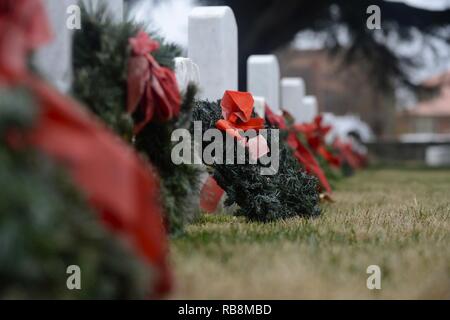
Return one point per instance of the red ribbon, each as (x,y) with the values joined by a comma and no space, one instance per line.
(152,89)
(237,109)
(275,119)
(24,27)
(112,176)
(307,159)
(211,194)
(315,134)
(348,155)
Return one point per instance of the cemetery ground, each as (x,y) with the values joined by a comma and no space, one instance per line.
(398,219)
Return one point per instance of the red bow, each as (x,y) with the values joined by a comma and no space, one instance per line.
(306,158)
(237,109)
(152,89)
(23,28)
(315,134)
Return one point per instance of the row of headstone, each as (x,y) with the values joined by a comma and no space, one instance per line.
(212,61)
(213,47)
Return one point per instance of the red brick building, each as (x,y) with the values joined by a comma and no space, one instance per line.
(433,115)
(341,89)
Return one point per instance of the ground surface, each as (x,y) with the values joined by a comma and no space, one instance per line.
(397,219)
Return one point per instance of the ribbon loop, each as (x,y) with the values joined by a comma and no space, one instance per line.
(152,89)
(237,109)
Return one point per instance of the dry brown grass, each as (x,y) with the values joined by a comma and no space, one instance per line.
(397,219)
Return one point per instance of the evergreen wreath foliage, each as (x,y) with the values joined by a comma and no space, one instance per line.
(100,55)
(46,225)
(290,192)
(100,58)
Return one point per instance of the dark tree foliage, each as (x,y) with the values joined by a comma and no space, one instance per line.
(46,225)
(266,25)
(288,193)
(100,58)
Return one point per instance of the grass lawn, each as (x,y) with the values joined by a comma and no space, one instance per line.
(396,219)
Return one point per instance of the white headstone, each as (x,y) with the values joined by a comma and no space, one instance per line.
(342,126)
(213,46)
(186,72)
(260,106)
(437,156)
(54,60)
(310,109)
(263,79)
(292,94)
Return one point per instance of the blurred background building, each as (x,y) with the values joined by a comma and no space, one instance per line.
(432,115)
(396,78)
(335,84)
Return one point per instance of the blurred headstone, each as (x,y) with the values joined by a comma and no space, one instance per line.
(54,60)
(292,94)
(213,46)
(260,106)
(263,79)
(437,156)
(187,72)
(343,126)
(310,109)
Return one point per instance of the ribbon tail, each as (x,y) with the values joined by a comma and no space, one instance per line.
(165,89)
(258,147)
(210,195)
(306,158)
(138,76)
(329,157)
